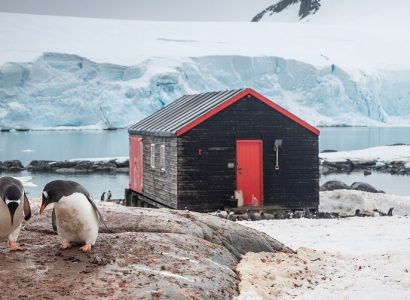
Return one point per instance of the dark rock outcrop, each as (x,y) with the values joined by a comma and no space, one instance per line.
(334,185)
(40,165)
(11,166)
(307,7)
(328,151)
(336,167)
(78,167)
(348,166)
(365,187)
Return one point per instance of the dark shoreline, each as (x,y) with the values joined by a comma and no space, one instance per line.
(67,166)
(348,166)
(116,166)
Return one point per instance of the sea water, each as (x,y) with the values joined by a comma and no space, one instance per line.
(62,145)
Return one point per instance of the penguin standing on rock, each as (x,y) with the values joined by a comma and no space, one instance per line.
(76,215)
(14,206)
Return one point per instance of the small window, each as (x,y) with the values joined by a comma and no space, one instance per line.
(162,157)
(153,156)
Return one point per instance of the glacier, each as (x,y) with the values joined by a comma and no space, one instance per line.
(59,90)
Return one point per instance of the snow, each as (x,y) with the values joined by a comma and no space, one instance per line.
(346,258)
(345,202)
(316,274)
(381,155)
(63,72)
(26,181)
(352,258)
(26,37)
(102,159)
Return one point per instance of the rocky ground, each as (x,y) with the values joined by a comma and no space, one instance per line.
(148,254)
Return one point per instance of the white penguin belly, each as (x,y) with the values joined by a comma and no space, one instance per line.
(5,219)
(76,219)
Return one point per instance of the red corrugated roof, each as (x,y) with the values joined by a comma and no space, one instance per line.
(189,111)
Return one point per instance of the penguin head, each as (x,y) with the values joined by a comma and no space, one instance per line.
(46,198)
(12,197)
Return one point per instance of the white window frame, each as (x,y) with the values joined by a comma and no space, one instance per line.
(162,157)
(152,155)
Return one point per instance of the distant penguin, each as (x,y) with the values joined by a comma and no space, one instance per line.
(220,214)
(268,216)
(231,216)
(390,212)
(109,195)
(14,206)
(251,215)
(76,215)
(243,217)
(102,197)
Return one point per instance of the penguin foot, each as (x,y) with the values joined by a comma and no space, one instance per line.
(14,247)
(86,248)
(65,245)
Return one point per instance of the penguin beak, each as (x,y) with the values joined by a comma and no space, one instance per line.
(43,207)
(12,206)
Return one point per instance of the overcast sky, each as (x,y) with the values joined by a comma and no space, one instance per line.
(157,10)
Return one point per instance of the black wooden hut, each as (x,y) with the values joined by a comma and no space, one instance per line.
(202,150)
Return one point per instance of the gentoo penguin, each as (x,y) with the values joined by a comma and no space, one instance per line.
(251,215)
(76,215)
(14,206)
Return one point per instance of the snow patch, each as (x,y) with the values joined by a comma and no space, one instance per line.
(345,202)
(102,159)
(26,181)
(383,155)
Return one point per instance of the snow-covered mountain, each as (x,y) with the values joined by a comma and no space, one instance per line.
(373,13)
(61,71)
(305,8)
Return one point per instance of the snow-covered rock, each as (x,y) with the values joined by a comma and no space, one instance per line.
(378,155)
(345,202)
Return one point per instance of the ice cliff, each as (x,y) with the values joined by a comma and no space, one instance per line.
(63,90)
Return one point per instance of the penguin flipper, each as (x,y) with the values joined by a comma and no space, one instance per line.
(100,217)
(90,199)
(53,220)
(26,208)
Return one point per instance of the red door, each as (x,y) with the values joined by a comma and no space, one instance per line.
(136,164)
(249,178)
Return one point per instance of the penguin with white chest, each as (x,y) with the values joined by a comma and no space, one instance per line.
(14,207)
(76,215)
